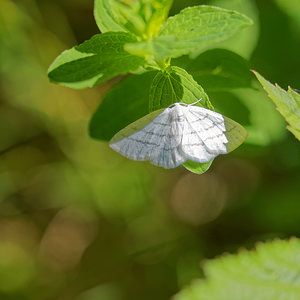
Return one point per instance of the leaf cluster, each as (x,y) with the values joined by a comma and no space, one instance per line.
(138,38)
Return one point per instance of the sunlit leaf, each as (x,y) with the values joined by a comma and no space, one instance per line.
(95,61)
(199,26)
(272,271)
(287,102)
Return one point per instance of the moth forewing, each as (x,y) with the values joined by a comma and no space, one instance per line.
(135,126)
(235,133)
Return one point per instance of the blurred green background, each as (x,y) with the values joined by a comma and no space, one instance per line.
(78,221)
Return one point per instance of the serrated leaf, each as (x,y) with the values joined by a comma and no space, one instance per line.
(105,18)
(204,23)
(219,70)
(126,103)
(192,29)
(200,26)
(272,271)
(295,132)
(287,102)
(176,85)
(94,61)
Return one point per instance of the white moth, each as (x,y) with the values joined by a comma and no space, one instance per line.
(179,133)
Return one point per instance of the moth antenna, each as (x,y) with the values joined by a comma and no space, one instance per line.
(195,102)
(173,104)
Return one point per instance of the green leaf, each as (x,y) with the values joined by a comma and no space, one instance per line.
(197,168)
(295,132)
(176,85)
(200,26)
(287,102)
(126,103)
(219,70)
(95,61)
(272,271)
(105,18)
